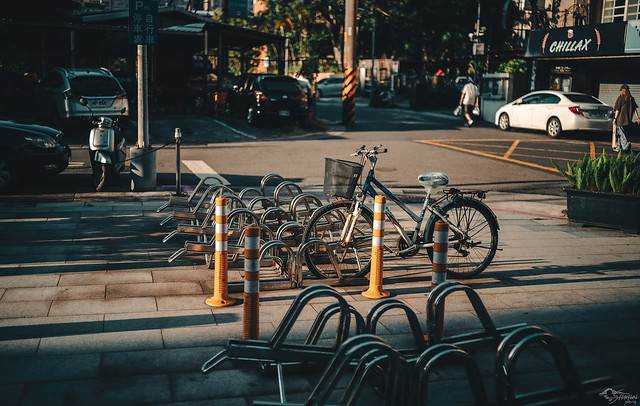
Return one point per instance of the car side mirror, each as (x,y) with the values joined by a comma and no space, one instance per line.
(83,101)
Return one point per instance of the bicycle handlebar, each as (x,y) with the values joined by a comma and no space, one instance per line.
(369,153)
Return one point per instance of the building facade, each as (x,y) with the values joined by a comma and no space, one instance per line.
(594,49)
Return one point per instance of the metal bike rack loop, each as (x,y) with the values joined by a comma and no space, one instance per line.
(276,350)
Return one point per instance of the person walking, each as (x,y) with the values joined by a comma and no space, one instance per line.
(469,99)
(623,110)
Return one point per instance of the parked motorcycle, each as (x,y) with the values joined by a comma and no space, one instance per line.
(106,148)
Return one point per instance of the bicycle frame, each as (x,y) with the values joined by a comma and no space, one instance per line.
(369,188)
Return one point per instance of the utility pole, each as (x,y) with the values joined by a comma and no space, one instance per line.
(349,83)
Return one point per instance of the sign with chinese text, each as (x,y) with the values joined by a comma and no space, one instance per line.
(143,22)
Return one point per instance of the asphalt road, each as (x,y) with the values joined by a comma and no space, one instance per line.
(480,157)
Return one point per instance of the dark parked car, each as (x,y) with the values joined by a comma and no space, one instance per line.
(259,96)
(30,149)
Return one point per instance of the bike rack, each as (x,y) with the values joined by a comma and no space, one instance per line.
(290,233)
(208,248)
(194,213)
(178,201)
(290,187)
(276,351)
(274,217)
(466,341)
(386,304)
(438,356)
(573,391)
(309,204)
(248,191)
(265,180)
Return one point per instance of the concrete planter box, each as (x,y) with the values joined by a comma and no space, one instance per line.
(613,210)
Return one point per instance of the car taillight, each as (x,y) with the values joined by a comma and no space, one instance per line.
(260,96)
(576,110)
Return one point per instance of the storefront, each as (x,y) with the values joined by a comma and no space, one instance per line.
(594,59)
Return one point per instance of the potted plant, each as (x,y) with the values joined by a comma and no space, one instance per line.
(605,191)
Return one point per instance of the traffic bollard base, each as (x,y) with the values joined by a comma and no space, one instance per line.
(217,302)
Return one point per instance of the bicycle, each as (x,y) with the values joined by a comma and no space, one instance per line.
(346,225)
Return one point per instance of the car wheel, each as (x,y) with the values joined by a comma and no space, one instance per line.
(503,122)
(6,173)
(554,128)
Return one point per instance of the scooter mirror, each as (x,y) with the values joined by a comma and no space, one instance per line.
(123,110)
(83,101)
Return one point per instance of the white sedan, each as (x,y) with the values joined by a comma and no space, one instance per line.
(555,112)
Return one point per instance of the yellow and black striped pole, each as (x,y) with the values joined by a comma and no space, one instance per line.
(349,97)
(348,63)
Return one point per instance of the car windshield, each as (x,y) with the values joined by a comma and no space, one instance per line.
(94,86)
(582,98)
(280,85)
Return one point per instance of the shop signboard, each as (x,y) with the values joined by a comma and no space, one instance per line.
(577,41)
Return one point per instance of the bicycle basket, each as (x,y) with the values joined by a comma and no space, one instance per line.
(341,177)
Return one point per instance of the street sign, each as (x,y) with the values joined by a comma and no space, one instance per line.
(478,48)
(143,22)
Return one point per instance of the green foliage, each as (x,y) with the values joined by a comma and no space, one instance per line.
(513,66)
(620,174)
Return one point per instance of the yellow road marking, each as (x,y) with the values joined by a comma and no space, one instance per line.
(592,149)
(484,154)
(511,149)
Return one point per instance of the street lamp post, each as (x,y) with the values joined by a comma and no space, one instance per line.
(475,49)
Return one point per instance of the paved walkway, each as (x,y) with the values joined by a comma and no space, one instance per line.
(91,312)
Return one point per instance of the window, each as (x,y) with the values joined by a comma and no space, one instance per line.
(95,86)
(533,99)
(582,98)
(550,99)
(619,10)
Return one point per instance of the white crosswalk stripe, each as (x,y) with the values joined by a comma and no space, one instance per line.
(201,170)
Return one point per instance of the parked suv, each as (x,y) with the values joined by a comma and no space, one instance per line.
(58,94)
(259,96)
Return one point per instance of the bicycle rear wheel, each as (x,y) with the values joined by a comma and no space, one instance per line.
(354,259)
(475,250)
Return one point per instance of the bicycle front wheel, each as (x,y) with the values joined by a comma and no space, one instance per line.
(469,253)
(354,258)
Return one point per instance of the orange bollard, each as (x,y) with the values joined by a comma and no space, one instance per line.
(377,252)
(251,309)
(439,272)
(220,296)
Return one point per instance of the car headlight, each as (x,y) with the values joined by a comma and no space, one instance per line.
(42,141)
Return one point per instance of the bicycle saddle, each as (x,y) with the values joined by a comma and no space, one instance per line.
(433,179)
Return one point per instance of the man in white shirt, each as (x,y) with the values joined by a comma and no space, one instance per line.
(469,99)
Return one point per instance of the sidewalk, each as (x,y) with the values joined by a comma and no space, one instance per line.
(91,312)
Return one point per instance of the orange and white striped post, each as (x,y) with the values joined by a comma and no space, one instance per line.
(439,271)
(377,252)
(251,309)
(220,296)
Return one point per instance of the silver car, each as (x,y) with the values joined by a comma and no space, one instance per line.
(331,86)
(58,94)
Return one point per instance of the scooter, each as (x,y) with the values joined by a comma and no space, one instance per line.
(106,148)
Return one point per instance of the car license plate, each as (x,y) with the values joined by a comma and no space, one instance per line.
(99,103)
(284,113)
